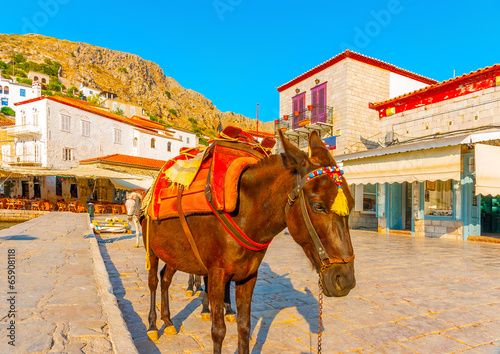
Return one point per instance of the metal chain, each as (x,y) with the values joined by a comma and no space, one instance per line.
(320,318)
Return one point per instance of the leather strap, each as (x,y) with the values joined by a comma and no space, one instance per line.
(323,256)
(228,223)
(186,228)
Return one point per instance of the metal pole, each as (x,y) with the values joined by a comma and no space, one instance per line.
(257,119)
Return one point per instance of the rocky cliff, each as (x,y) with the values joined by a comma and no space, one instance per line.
(134,80)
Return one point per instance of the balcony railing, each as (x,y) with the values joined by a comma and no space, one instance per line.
(27,159)
(313,114)
(24,130)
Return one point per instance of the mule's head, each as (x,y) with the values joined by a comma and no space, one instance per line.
(333,255)
(132,204)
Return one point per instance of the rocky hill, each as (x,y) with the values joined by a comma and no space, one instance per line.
(134,80)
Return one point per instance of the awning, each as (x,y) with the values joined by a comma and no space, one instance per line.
(431,164)
(487,169)
(128,184)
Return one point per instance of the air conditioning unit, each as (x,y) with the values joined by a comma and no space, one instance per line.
(389,138)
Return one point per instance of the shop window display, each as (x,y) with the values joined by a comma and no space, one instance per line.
(438,198)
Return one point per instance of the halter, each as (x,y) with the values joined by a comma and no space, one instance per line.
(339,207)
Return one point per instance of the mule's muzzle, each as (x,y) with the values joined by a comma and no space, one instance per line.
(338,279)
(129,218)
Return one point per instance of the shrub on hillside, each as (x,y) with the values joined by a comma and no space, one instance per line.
(168,94)
(26,81)
(173,112)
(8,111)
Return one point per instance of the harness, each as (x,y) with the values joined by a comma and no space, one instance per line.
(339,207)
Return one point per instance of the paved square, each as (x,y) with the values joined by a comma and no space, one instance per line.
(413,295)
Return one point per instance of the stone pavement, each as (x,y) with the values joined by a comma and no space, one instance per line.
(413,295)
(58,298)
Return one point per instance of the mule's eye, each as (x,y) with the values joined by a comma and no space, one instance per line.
(318,208)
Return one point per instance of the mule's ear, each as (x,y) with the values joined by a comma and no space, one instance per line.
(295,157)
(126,194)
(319,150)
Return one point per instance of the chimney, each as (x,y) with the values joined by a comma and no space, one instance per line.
(37,89)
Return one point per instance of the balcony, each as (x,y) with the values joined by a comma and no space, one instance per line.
(301,123)
(28,130)
(24,160)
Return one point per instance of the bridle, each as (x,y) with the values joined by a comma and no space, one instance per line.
(336,175)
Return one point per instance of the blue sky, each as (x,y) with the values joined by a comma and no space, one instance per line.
(236,52)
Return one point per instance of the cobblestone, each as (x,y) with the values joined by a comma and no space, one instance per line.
(57,301)
(418,295)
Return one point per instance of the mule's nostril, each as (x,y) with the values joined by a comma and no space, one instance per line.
(337,282)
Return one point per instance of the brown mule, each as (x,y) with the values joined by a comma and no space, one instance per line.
(265,190)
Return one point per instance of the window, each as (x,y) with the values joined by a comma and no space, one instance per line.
(44,81)
(153,143)
(6,90)
(37,153)
(122,107)
(135,142)
(369,197)
(22,92)
(169,146)
(35,78)
(23,118)
(85,128)
(59,181)
(68,154)
(91,92)
(298,106)
(117,136)
(5,101)
(115,106)
(318,98)
(180,137)
(438,198)
(65,123)
(132,111)
(187,140)
(35,117)
(1,89)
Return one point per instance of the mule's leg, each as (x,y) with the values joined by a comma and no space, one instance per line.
(197,284)
(230,314)
(205,311)
(137,233)
(166,278)
(244,292)
(216,285)
(189,291)
(153,284)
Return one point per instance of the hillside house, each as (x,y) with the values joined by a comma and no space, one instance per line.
(35,76)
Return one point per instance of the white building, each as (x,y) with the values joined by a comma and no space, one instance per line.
(13,92)
(88,91)
(56,132)
(188,138)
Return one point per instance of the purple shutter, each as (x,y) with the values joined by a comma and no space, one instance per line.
(318,113)
(298,104)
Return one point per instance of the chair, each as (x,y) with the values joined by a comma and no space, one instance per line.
(62,206)
(72,206)
(3,203)
(35,205)
(80,208)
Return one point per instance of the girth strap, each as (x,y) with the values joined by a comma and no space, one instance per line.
(186,228)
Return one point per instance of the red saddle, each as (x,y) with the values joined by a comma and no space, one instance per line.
(224,162)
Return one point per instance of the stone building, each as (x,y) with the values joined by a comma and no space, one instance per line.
(438,174)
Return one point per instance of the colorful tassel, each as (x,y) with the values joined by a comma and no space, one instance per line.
(340,206)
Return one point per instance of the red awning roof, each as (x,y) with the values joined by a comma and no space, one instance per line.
(128,160)
(448,89)
(358,57)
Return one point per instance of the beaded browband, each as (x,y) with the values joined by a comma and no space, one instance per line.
(340,205)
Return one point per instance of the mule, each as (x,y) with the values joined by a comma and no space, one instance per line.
(267,194)
(133,206)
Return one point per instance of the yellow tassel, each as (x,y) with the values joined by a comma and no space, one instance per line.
(339,205)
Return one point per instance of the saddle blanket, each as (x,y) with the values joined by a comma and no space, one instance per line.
(221,165)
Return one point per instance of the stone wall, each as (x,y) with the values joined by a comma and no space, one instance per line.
(363,221)
(451,229)
(20,215)
(467,112)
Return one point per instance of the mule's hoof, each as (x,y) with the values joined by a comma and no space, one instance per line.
(153,335)
(170,330)
(136,246)
(189,293)
(231,318)
(205,317)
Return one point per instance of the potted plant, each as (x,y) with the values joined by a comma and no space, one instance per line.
(310,107)
(285,117)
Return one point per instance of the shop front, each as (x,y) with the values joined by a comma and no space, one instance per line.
(441,188)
